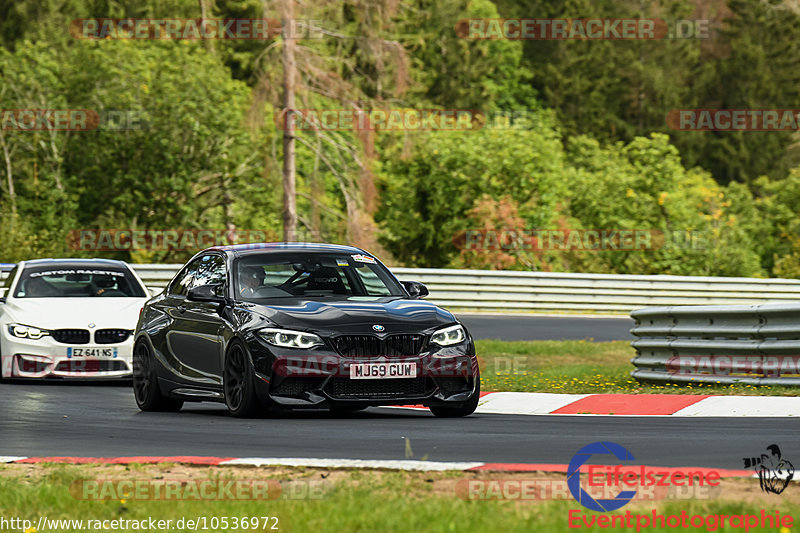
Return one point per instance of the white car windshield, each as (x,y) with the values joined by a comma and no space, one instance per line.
(84,281)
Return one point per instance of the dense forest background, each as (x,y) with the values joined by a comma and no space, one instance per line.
(586,144)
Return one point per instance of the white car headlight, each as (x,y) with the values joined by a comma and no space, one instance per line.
(449,335)
(27,332)
(286,338)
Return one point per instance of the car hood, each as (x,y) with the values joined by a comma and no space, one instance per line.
(356,314)
(57,313)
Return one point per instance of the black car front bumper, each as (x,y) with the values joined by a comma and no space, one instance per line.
(321,378)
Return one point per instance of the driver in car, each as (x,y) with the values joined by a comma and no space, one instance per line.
(105,285)
(250,279)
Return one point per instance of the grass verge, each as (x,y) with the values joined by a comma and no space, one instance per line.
(584,367)
(354,501)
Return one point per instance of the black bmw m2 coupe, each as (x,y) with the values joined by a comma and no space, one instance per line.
(280,326)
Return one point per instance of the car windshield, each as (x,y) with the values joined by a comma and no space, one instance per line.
(312,275)
(71,281)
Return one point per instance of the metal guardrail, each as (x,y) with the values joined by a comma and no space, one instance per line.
(540,291)
(512,291)
(504,290)
(755,344)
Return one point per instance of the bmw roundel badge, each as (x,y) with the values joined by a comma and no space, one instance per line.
(378,327)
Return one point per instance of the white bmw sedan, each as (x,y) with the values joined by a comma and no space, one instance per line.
(69,318)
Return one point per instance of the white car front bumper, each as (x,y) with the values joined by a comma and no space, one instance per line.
(48,358)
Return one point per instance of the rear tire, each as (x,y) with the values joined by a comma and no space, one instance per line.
(238,382)
(466,409)
(145,382)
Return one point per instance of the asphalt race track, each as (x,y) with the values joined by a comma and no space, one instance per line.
(535,328)
(45,419)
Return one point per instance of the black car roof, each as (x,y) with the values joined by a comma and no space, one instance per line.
(255,248)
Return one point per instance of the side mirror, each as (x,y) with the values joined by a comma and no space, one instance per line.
(206,293)
(415,289)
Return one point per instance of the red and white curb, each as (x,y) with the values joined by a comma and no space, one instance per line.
(541,403)
(254,461)
(386,464)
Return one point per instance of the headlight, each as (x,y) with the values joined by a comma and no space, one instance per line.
(286,338)
(449,335)
(27,332)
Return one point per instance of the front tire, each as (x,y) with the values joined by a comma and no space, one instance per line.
(238,382)
(145,382)
(466,409)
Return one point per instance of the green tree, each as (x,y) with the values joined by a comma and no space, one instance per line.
(643,185)
(754,64)
(427,195)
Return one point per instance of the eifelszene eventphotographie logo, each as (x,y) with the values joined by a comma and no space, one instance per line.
(621,483)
